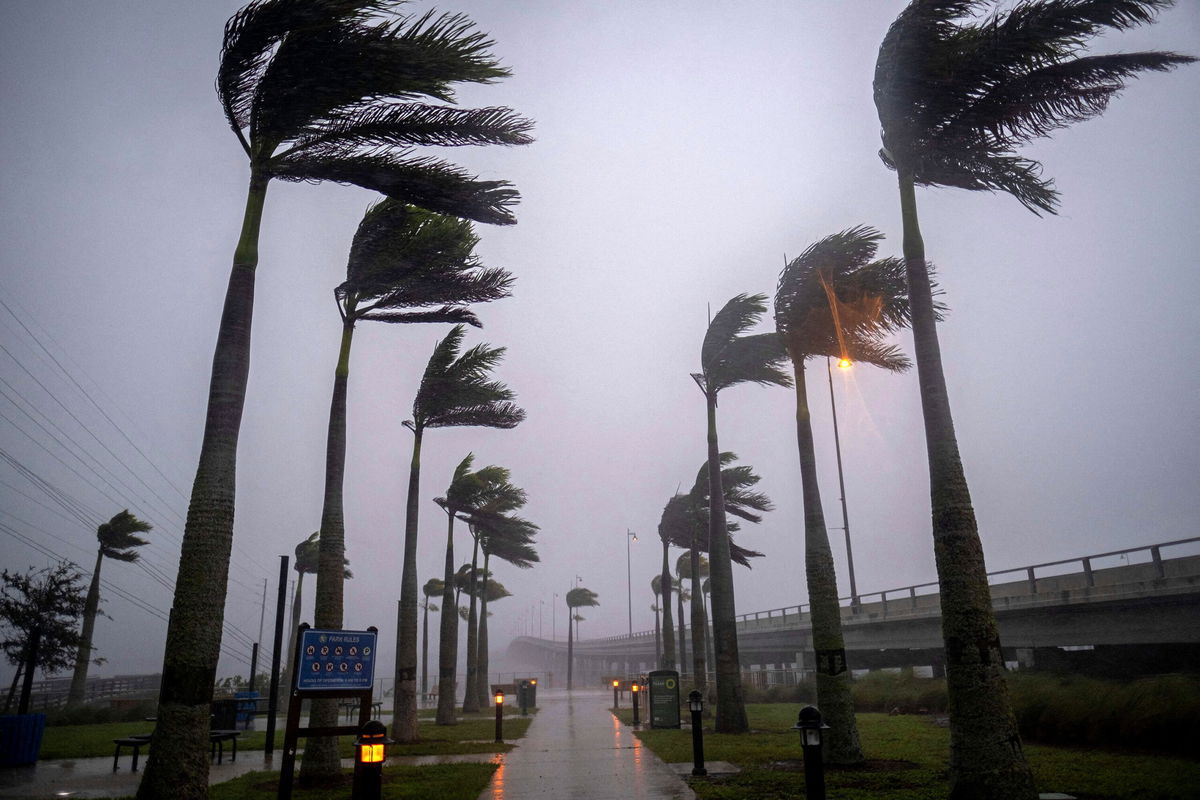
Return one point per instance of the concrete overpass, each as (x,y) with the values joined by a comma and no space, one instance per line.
(1124,612)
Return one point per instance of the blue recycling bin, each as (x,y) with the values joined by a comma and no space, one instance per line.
(21,738)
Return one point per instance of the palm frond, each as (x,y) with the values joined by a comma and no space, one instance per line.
(758,358)
(373,126)
(456,314)
(580,597)
(436,185)
(738,315)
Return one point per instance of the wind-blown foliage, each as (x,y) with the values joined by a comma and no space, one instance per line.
(119,541)
(404,263)
(39,612)
(728,357)
(313,91)
(957,95)
(579,597)
(835,300)
(456,390)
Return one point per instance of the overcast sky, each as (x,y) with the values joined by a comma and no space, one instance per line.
(683,150)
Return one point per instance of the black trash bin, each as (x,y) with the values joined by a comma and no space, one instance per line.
(224,715)
(20,738)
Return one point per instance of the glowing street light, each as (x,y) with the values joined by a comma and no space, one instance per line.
(843,363)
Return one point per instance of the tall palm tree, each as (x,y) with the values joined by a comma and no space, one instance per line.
(509,539)
(432,588)
(957,95)
(308,557)
(729,357)
(468,490)
(313,91)
(671,512)
(455,391)
(656,587)
(579,597)
(686,525)
(119,541)
(406,265)
(835,301)
(693,567)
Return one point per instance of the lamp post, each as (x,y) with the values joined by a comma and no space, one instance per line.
(616,697)
(843,363)
(630,536)
(369,754)
(810,726)
(500,717)
(554,619)
(696,706)
(635,699)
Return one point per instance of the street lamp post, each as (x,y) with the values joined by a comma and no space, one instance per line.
(630,536)
(843,363)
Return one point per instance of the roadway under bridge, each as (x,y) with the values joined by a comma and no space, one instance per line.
(1138,616)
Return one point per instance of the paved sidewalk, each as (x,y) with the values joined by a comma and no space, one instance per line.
(577,750)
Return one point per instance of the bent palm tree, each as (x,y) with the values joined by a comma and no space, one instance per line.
(956,97)
(579,597)
(431,589)
(728,358)
(406,265)
(455,391)
(656,587)
(834,301)
(509,539)
(313,92)
(118,541)
(671,512)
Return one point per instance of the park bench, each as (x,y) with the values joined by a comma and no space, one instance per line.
(135,743)
(217,740)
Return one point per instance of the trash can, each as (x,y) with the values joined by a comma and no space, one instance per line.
(21,738)
(224,715)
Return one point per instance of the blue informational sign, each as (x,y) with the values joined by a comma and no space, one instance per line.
(336,660)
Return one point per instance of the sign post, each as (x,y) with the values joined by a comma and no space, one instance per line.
(329,664)
(664,698)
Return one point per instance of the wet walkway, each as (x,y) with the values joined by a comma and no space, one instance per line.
(576,750)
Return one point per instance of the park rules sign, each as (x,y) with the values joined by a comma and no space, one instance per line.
(664,698)
(336,660)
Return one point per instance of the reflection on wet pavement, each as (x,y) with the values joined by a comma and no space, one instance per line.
(576,750)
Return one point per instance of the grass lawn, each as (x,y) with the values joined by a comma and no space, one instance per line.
(474,734)
(445,782)
(907,760)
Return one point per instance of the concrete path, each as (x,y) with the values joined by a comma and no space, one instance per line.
(577,750)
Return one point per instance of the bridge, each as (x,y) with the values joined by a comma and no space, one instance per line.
(1120,613)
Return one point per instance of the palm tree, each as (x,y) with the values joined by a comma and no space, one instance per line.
(957,96)
(455,391)
(727,358)
(432,588)
(313,92)
(656,587)
(406,265)
(685,524)
(670,512)
(118,541)
(691,566)
(467,492)
(509,539)
(308,557)
(682,596)
(579,597)
(834,301)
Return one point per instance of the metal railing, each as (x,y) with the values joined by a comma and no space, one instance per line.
(1156,560)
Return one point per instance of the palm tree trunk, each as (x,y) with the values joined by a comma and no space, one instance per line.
(682,638)
(668,631)
(471,699)
(986,758)
(570,649)
(483,688)
(83,656)
(321,760)
(708,642)
(841,745)
(448,635)
(697,609)
(178,763)
(425,648)
(731,706)
(404,727)
(657,634)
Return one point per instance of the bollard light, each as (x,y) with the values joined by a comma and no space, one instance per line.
(616,697)
(370,750)
(810,726)
(634,688)
(500,716)
(696,706)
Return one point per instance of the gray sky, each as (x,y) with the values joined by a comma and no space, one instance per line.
(683,149)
